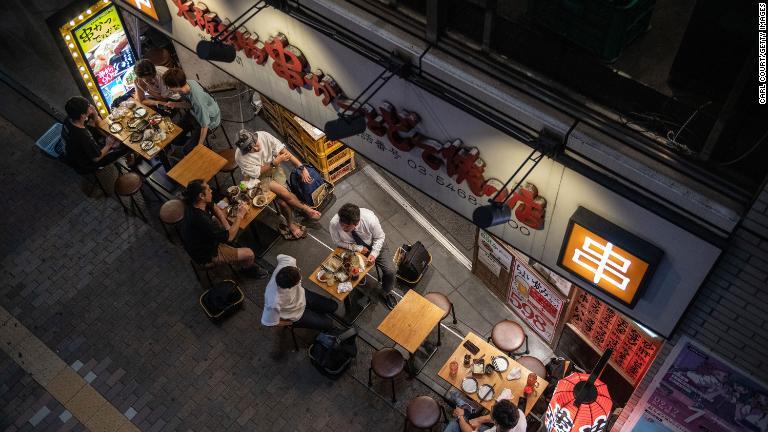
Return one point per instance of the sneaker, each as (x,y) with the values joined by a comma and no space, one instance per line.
(390,300)
(363,282)
(254,271)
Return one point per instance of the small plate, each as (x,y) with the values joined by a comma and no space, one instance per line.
(147,145)
(469,385)
(485,392)
(115,127)
(140,112)
(322,276)
(500,364)
(259,200)
(136,136)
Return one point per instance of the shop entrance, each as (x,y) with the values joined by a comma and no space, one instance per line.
(575,324)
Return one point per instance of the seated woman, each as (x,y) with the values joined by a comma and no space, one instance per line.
(259,155)
(150,88)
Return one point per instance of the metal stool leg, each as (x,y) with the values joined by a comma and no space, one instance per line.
(167,234)
(122,204)
(392,380)
(293,336)
(438,334)
(370,381)
(453,312)
(216,179)
(226,137)
(101,186)
(135,205)
(232,176)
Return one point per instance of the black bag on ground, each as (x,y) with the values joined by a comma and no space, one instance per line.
(333,352)
(221,296)
(414,263)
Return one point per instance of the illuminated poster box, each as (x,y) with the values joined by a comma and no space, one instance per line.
(101,50)
(608,257)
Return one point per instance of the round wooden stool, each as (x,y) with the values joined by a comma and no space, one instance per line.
(128,185)
(509,336)
(387,363)
(171,213)
(422,412)
(534,365)
(441,300)
(230,167)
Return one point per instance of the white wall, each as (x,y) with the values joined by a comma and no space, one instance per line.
(687,258)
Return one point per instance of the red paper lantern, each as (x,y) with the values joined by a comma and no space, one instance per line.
(588,414)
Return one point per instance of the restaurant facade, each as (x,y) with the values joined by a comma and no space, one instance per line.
(602,249)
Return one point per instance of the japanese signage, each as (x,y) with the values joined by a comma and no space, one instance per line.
(104,45)
(611,259)
(491,254)
(633,349)
(536,301)
(450,164)
(696,390)
(156,10)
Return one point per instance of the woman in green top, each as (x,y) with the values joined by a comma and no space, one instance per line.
(203,107)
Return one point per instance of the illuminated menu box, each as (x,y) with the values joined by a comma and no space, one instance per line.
(608,257)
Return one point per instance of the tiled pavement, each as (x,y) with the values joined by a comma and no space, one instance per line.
(117,302)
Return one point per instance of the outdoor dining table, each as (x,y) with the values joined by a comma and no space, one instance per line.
(409,323)
(352,309)
(124,136)
(201,163)
(497,379)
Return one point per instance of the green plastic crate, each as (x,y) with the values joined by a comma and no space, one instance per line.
(602,27)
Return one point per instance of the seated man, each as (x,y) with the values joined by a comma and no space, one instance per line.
(205,229)
(86,148)
(286,302)
(358,229)
(259,155)
(204,111)
(150,88)
(505,417)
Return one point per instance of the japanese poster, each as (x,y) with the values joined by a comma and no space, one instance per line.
(104,45)
(535,300)
(696,390)
(633,349)
(491,254)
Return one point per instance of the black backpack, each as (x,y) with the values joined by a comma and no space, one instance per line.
(221,296)
(414,263)
(332,352)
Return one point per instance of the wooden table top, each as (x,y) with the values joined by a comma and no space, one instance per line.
(333,289)
(254,211)
(516,386)
(410,322)
(201,163)
(124,135)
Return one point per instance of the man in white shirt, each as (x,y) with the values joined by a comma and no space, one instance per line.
(259,155)
(505,417)
(358,229)
(286,302)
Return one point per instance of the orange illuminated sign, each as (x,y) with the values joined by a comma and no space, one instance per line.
(608,257)
(156,10)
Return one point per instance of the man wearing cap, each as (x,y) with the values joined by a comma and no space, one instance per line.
(259,155)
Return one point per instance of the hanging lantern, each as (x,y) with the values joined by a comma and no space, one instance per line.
(580,403)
